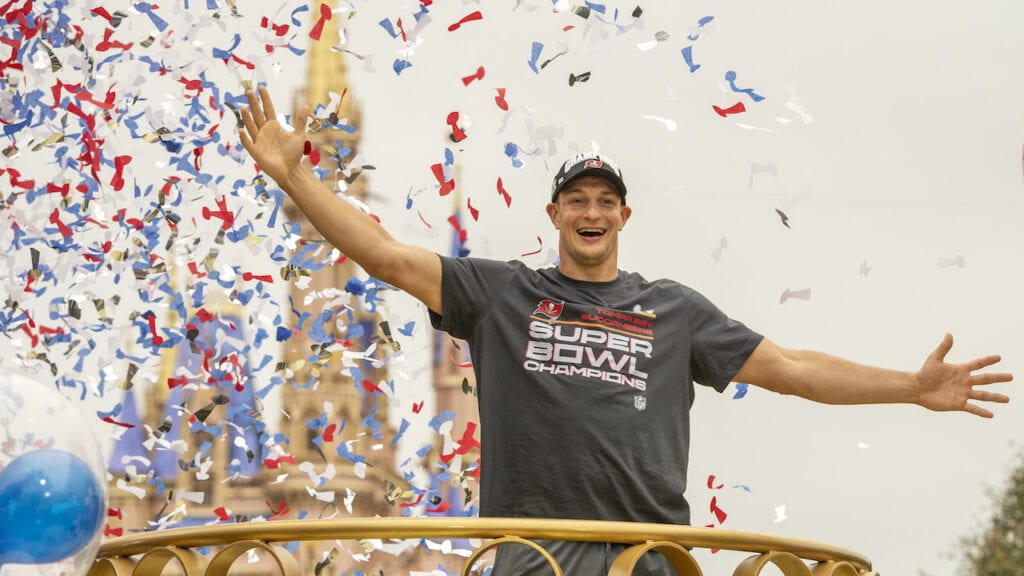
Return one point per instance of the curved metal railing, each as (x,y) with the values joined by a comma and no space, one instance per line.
(147,554)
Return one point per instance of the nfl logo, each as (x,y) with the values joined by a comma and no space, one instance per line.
(640,402)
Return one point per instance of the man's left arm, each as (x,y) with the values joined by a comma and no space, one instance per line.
(821,377)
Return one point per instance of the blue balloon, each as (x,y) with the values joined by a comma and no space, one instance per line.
(51,506)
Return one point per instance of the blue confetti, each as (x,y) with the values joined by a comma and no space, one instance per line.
(730,77)
(741,391)
(401,65)
(535,51)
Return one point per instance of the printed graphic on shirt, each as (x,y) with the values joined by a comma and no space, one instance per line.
(591,342)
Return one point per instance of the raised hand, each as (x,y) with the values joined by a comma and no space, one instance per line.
(277,150)
(944,386)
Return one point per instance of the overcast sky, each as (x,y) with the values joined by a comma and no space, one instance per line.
(896,137)
(889,137)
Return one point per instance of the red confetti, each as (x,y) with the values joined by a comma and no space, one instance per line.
(472,211)
(55,219)
(371,387)
(119,163)
(223,213)
(468,18)
(247,276)
(110,420)
(504,194)
(424,220)
(500,100)
(223,514)
(106,44)
(720,514)
(281,510)
(537,251)
(711,480)
(478,75)
(402,30)
(328,434)
(115,513)
(318,28)
(416,407)
(454,221)
(275,463)
(446,185)
(466,443)
(457,134)
(734,109)
(195,271)
(108,531)
(441,508)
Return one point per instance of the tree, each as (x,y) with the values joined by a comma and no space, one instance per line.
(998,550)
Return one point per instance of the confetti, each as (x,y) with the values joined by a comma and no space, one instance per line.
(957,261)
(504,194)
(668,123)
(500,99)
(688,57)
(478,75)
(756,168)
(473,16)
(734,109)
(453,122)
(540,247)
(582,77)
(780,513)
(716,254)
(804,294)
(783,217)
(730,77)
(695,32)
(535,51)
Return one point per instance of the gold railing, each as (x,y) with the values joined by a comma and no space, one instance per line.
(147,554)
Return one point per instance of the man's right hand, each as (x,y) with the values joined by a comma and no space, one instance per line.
(277,151)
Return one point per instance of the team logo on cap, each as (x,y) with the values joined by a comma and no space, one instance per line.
(593,164)
(550,309)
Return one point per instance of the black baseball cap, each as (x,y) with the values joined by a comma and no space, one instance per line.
(589,164)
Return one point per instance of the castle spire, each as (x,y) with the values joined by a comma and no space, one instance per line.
(326,72)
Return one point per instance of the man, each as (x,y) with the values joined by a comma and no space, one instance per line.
(586,372)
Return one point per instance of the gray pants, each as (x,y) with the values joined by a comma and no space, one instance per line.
(575,558)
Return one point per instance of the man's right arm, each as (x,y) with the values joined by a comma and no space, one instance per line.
(360,237)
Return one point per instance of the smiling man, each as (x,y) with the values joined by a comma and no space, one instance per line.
(586,372)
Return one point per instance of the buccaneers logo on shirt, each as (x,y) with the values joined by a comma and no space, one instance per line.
(550,309)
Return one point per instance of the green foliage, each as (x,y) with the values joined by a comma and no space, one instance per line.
(998,550)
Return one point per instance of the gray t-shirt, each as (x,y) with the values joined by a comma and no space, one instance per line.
(585,387)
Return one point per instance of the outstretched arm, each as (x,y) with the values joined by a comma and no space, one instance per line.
(279,153)
(938,385)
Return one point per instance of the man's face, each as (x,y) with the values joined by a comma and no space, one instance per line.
(589,214)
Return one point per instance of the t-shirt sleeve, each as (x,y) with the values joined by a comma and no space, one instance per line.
(719,345)
(469,286)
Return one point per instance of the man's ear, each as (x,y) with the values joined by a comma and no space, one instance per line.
(626,213)
(552,210)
